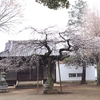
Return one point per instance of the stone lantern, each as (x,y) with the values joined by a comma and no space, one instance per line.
(3,84)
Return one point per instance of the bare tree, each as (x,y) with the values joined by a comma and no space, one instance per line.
(10,13)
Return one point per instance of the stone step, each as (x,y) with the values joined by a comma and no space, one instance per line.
(27,84)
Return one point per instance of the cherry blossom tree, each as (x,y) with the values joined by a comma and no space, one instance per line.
(49,44)
(92,31)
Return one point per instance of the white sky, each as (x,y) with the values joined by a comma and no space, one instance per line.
(39,17)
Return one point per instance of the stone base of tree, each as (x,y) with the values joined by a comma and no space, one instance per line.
(51,91)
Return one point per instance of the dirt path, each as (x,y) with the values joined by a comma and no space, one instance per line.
(71,92)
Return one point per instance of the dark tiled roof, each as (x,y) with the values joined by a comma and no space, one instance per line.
(26,48)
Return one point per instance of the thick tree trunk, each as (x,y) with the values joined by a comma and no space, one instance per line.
(83,81)
(50,79)
(98,74)
(50,76)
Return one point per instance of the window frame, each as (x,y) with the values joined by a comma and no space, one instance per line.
(71,75)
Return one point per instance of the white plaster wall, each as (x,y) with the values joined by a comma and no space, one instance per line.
(91,73)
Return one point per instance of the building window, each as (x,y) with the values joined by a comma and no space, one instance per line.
(72,74)
(79,74)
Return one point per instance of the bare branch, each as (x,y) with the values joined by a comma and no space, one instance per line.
(10,12)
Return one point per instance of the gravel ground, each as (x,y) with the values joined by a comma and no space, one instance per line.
(70,92)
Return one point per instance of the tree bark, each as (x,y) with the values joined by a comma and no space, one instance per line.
(83,81)
(98,74)
(50,73)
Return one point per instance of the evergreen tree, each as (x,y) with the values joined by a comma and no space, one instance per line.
(54,4)
(76,14)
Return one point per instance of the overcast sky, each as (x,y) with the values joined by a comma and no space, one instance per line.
(39,17)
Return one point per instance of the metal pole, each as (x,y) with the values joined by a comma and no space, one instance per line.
(59,77)
(37,75)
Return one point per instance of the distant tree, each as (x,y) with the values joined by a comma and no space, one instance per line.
(81,57)
(96,57)
(92,30)
(77,14)
(75,22)
(10,13)
(54,4)
(90,49)
(92,27)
